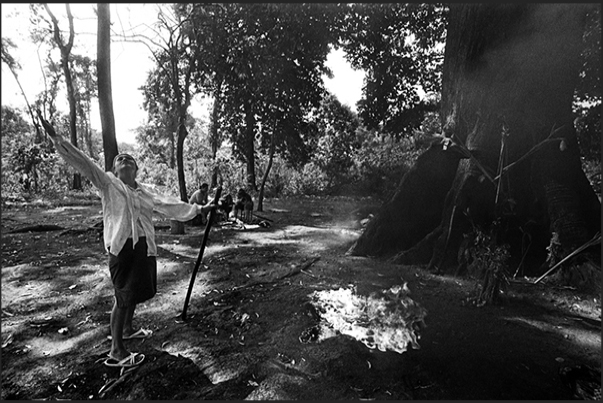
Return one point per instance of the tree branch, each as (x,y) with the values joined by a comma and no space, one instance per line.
(533,150)
(595,240)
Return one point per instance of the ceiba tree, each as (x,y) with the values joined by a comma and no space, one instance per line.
(508,161)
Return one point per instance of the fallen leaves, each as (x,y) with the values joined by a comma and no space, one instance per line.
(8,341)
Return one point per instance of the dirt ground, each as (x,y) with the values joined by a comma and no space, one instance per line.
(250,308)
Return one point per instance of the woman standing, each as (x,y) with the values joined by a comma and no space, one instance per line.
(129,237)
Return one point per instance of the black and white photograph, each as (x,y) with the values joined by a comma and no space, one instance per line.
(300,201)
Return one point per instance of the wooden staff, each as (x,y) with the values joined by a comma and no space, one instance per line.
(210,220)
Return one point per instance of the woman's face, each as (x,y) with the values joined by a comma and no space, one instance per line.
(124,166)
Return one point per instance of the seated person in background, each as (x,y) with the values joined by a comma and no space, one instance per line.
(200,196)
(243,205)
(225,205)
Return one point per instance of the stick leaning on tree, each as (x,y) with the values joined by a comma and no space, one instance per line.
(210,220)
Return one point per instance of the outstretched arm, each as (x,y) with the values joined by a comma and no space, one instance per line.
(172,207)
(74,157)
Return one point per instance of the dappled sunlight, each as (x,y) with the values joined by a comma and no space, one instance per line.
(60,291)
(281,299)
(312,238)
(168,270)
(47,346)
(268,240)
(180,250)
(217,369)
(386,320)
(582,337)
(63,209)
(15,292)
(308,237)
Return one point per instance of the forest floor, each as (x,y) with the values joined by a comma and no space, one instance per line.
(248,332)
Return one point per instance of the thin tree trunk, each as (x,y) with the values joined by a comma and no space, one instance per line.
(182,133)
(249,146)
(177,227)
(65,49)
(88,131)
(77,179)
(173,146)
(214,138)
(260,206)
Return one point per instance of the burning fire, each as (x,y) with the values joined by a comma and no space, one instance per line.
(387,319)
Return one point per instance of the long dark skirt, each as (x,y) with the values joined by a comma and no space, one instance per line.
(133,273)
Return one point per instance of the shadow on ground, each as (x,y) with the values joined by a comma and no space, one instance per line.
(250,307)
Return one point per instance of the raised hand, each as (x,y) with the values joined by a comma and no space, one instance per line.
(47,126)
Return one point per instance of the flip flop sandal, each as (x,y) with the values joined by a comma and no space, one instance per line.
(139,334)
(133,360)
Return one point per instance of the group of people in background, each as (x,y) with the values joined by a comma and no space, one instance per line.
(242,206)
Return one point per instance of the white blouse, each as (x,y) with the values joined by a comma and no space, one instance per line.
(127,212)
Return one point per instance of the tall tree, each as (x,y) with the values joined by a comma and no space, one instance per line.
(508,163)
(160,135)
(177,72)
(65,46)
(336,139)
(46,99)
(85,80)
(105,95)
(271,61)
(211,33)
(178,62)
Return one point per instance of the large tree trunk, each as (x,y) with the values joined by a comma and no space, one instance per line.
(509,74)
(414,210)
(105,95)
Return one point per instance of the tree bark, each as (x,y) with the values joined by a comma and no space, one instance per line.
(249,145)
(414,210)
(177,227)
(105,94)
(182,133)
(260,206)
(509,76)
(214,136)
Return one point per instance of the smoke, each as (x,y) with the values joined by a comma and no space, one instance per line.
(386,320)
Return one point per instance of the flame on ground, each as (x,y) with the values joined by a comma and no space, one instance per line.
(386,320)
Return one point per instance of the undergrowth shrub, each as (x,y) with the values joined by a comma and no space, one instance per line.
(310,180)
(489,266)
(383,160)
